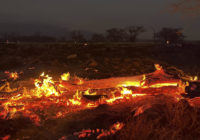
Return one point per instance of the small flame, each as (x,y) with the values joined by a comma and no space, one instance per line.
(194,78)
(46,93)
(87,92)
(111,100)
(113,129)
(75,102)
(45,87)
(12,75)
(42,74)
(80,82)
(130,83)
(91,105)
(163,85)
(158,67)
(118,126)
(126,91)
(76,99)
(101,132)
(65,76)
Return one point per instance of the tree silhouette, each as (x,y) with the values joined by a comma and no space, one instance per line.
(133,32)
(170,35)
(116,35)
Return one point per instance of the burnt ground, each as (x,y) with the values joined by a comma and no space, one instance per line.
(165,120)
(97,61)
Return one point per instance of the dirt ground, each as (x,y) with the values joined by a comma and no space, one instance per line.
(96,61)
(165,120)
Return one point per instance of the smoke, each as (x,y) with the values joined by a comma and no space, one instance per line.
(187,7)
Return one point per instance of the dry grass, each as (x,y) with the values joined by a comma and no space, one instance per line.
(164,121)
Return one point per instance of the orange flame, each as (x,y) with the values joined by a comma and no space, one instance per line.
(45,86)
(12,75)
(101,132)
(47,94)
(65,76)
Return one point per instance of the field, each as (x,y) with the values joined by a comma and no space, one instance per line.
(109,59)
(162,118)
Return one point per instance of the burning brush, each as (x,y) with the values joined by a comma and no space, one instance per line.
(74,94)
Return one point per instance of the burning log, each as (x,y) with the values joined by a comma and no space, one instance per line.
(103,83)
(156,79)
(48,93)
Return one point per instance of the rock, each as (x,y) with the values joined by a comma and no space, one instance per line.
(72,56)
(93,63)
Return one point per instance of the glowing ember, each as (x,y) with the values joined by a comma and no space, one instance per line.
(138,95)
(194,78)
(101,132)
(76,99)
(75,102)
(6,137)
(45,86)
(158,67)
(87,92)
(65,76)
(46,95)
(126,91)
(163,85)
(130,83)
(111,100)
(114,128)
(12,75)
(92,105)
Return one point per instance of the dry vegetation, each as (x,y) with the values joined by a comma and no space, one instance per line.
(163,120)
(109,59)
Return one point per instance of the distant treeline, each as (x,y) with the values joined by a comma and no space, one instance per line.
(127,34)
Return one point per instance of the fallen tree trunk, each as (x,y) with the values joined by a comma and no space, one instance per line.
(103,83)
(156,79)
(137,90)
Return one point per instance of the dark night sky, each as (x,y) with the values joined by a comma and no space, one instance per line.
(93,15)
